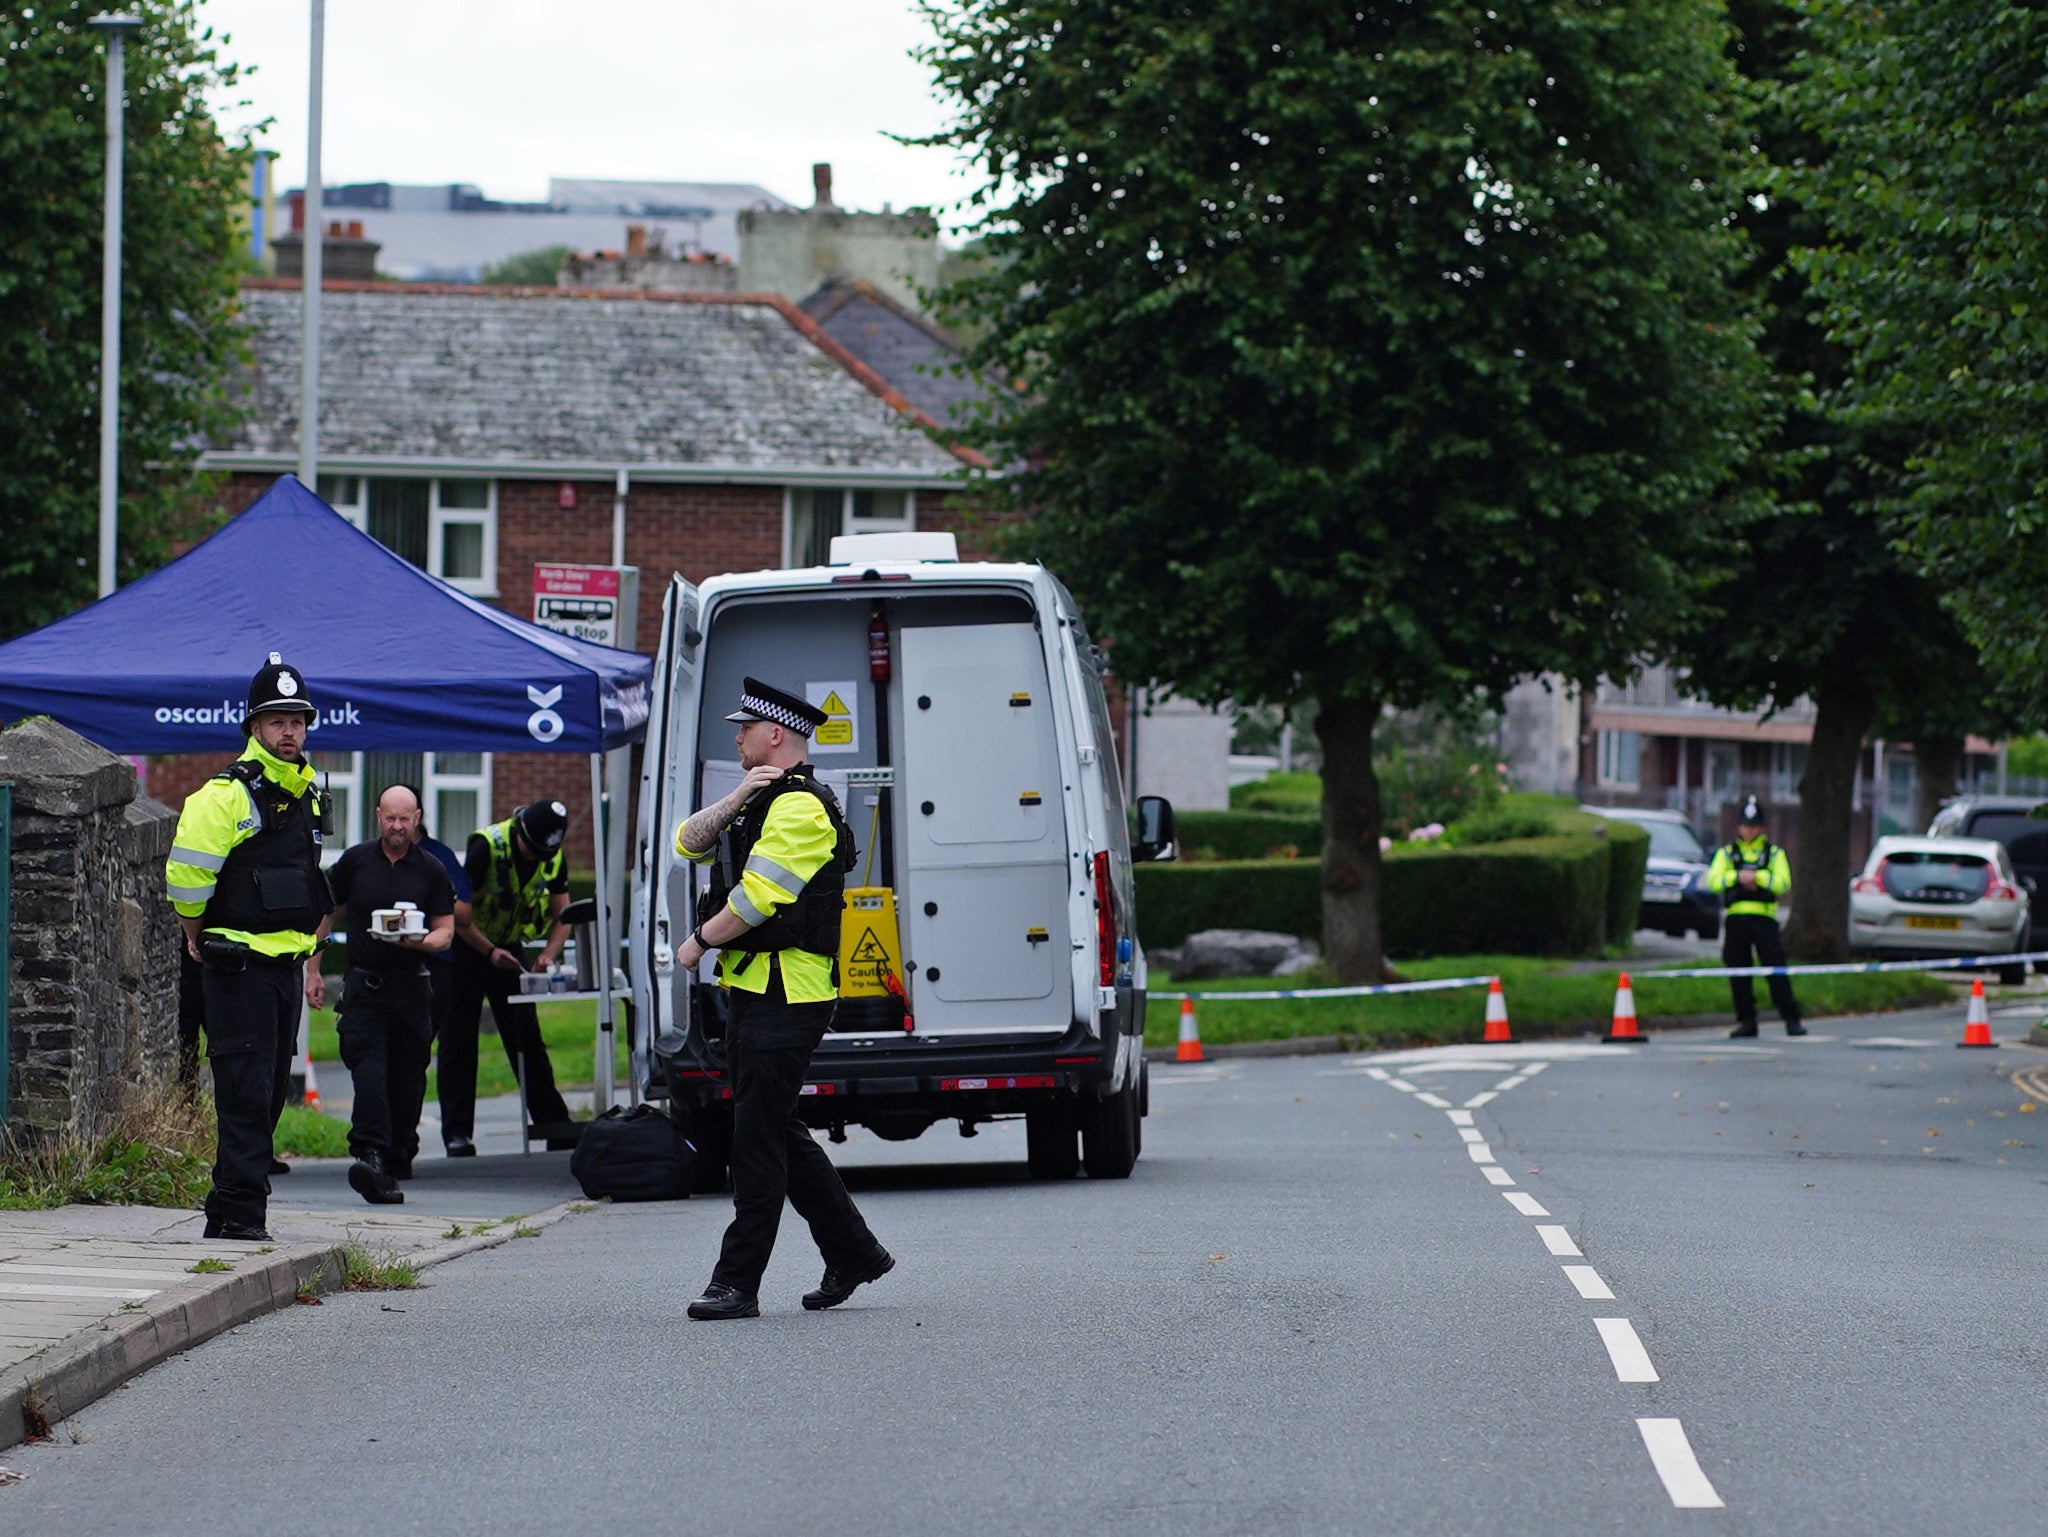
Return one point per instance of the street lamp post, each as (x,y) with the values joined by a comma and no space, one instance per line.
(115,29)
(315,225)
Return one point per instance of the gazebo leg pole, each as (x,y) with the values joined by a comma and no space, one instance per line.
(601,934)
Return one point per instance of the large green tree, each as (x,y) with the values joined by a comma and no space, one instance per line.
(1814,598)
(1381,354)
(1939,114)
(179,267)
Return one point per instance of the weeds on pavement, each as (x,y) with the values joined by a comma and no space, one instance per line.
(159,1153)
(383,1272)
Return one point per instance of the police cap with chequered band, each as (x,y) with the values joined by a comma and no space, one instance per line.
(758,701)
(278,686)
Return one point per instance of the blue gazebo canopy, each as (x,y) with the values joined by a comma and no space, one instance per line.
(396,660)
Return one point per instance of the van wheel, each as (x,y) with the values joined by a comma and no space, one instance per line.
(2013,976)
(1109,1135)
(1049,1148)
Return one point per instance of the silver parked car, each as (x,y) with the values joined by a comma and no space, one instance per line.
(1940,896)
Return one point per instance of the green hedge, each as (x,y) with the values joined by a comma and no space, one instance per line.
(1538,896)
(1246,834)
(1628,856)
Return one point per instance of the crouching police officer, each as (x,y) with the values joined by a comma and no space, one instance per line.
(776,893)
(244,876)
(1753,877)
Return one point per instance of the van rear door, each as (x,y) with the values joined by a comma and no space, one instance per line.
(986,941)
(660,879)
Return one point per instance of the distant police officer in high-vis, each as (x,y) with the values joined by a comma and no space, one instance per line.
(244,875)
(781,849)
(1753,877)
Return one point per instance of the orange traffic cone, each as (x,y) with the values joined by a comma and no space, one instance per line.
(1497,1028)
(312,1083)
(1190,1047)
(1977,1023)
(1624,1027)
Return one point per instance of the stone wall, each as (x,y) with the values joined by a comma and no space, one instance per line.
(92,990)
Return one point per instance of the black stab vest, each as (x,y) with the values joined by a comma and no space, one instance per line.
(272,881)
(812,921)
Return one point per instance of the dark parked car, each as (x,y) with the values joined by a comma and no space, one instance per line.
(2020,822)
(1675,895)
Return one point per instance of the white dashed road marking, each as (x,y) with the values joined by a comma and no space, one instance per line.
(1590,1286)
(1496,1175)
(1480,1099)
(1525,1203)
(1480,1152)
(1460,1117)
(1672,1456)
(1432,1101)
(1625,1350)
(1557,1240)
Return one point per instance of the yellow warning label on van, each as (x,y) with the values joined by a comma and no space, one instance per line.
(839,732)
(868,947)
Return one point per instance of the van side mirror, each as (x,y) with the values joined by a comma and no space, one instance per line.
(1155,840)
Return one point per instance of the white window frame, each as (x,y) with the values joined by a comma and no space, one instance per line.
(903,525)
(1785,773)
(439,780)
(361,824)
(348,779)
(1611,770)
(439,518)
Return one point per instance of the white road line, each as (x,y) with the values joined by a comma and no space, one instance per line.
(1496,1175)
(1479,1099)
(1471,1134)
(1558,1241)
(1525,1203)
(1480,1152)
(1590,1286)
(1378,1072)
(1509,1083)
(1432,1101)
(23,1267)
(1533,1069)
(1460,1117)
(125,1293)
(1404,1087)
(1672,1456)
(1631,1361)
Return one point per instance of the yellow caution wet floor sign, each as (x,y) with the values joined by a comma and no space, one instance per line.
(868,947)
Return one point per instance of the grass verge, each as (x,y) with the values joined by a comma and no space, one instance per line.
(1544,998)
(309,1133)
(159,1153)
(567,1029)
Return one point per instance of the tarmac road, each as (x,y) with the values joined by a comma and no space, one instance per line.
(1311,1309)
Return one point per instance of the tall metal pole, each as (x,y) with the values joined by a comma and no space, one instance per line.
(315,221)
(115,30)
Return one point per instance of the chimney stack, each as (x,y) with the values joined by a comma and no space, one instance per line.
(821,184)
(636,240)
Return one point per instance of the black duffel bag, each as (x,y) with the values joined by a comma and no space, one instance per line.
(634,1155)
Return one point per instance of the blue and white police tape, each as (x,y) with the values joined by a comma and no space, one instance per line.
(1442,984)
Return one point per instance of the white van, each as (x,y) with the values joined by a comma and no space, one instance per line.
(970,747)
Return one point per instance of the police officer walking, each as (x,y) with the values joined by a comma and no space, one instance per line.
(386,1020)
(519,885)
(244,875)
(783,849)
(1753,877)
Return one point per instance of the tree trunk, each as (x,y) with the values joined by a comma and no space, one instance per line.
(1936,761)
(1351,841)
(1819,930)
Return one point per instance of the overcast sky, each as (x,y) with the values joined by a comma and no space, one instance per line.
(506,93)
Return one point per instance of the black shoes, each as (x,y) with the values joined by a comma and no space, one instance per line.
(722,1301)
(1795,1028)
(398,1168)
(461,1147)
(373,1182)
(1742,1032)
(240,1232)
(841,1280)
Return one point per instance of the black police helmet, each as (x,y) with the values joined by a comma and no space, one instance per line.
(277,686)
(542,824)
(1751,814)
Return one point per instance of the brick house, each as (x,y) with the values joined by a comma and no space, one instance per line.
(479,432)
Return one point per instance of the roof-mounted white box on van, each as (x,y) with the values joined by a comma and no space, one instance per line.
(860,549)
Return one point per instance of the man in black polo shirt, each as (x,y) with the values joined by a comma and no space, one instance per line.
(386,1015)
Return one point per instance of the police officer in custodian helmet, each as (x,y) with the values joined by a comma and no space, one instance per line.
(782,850)
(244,875)
(1753,877)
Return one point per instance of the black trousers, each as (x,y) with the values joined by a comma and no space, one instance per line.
(191,1016)
(387,1030)
(768,1046)
(1747,934)
(475,980)
(252,1034)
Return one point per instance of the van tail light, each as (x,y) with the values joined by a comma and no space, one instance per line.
(1105,923)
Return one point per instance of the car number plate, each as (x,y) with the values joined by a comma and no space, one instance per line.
(1662,894)
(1915,921)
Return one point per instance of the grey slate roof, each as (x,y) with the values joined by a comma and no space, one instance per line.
(547,382)
(916,358)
